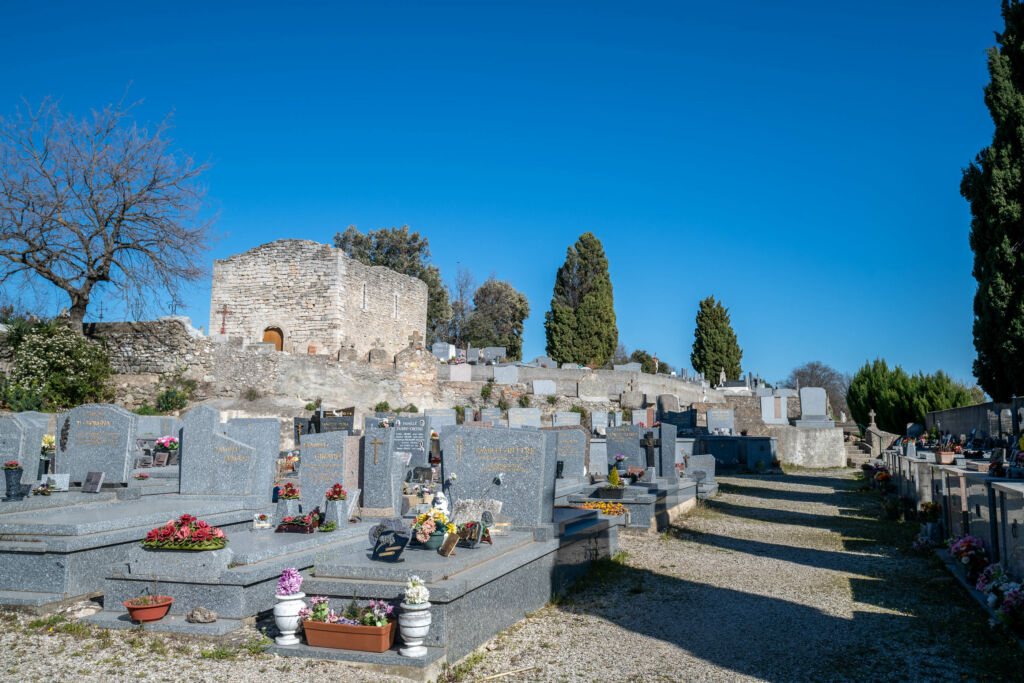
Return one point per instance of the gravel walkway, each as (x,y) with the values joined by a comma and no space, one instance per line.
(780,578)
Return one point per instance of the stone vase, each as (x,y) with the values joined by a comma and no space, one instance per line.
(286,616)
(413,624)
(13,481)
(337,511)
(286,508)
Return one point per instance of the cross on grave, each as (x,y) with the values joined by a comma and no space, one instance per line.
(376,442)
(871,414)
(458,450)
(650,443)
(415,340)
(223,317)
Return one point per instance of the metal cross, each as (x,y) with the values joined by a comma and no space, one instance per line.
(649,444)
(458,451)
(223,317)
(376,442)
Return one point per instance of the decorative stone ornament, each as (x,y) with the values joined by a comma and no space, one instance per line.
(413,624)
(286,616)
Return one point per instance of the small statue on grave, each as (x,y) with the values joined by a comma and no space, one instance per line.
(721,378)
(441,502)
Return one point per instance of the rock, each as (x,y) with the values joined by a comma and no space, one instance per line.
(201,615)
(84,612)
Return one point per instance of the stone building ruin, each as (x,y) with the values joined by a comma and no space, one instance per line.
(310,298)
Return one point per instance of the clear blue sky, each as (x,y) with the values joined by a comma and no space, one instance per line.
(800,161)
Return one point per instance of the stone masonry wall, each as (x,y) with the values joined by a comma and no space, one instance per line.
(317,297)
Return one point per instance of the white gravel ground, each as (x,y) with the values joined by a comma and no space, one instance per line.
(780,578)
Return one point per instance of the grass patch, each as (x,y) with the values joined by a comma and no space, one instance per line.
(221,652)
(74,628)
(48,622)
(158,647)
(256,643)
(461,671)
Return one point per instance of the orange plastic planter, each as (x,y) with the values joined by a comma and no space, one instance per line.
(347,637)
(151,612)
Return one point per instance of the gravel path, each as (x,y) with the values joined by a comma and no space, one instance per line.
(780,578)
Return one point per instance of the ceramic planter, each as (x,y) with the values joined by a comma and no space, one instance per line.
(434,542)
(151,612)
(13,481)
(414,623)
(347,637)
(286,616)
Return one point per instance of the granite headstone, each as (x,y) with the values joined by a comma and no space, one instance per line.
(96,437)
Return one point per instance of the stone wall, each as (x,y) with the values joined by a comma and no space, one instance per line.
(808,447)
(318,298)
(981,416)
(747,411)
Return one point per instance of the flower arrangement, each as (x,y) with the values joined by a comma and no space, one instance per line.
(185,533)
(49,442)
(141,476)
(42,490)
(923,544)
(337,493)
(465,532)
(429,522)
(289,492)
(376,613)
(290,582)
(883,477)
(434,434)
(299,520)
(619,457)
(970,552)
(12,465)
(1011,612)
(327,527)
(416,592)
(291,459)
(384,424)
(931,511)
(1018,459)
(167,443)
(604,507)
(958,449)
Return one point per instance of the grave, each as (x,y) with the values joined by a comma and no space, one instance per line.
(492,415)
(383,472)
(773,410)
(443,350)
(721,421)
(638,418)
(440,417)
(566,418)
(524,417)
(472,355)
(571,454)
(21,439)
(411,440)
(492,353)
(701,468)
(322,459)
(545,362)
(668,403)
(506,374)
(627,367)
(813,410)
(462,372)
(625,441)
(96,437)
(599,421)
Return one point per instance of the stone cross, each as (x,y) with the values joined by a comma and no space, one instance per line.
(650,443)
(415,340)
(223,317)
(376,442)
(871,414)
(458,450)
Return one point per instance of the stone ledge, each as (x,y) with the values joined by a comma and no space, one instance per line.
(390,663)
(172,623)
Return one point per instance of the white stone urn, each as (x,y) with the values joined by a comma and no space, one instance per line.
(413,624)
(286,616)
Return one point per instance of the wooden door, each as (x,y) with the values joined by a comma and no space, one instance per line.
(274,336)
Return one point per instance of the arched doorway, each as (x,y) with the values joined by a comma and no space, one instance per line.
(274,336)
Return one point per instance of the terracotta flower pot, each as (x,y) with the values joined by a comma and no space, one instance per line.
(346,637)
(151,612)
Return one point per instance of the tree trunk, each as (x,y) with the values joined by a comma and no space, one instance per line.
(77,313)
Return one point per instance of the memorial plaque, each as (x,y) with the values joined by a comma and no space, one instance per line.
(57,482)
(447,548)
(93,482)
(571,449)
(566,418)
(412,436)
(322,464)
(492,415)
(524,417)
(720,421)
(441,417)
(625,440)
(99,438)
(389,547)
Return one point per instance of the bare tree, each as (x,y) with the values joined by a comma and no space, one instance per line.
(95,200)
(818,374)
(462,306)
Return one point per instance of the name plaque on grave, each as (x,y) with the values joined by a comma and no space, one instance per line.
(625,440)
(321,466)
(411,438)
(96,437)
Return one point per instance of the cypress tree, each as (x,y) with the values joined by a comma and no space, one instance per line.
(994,186)
(714,342)
(580,326)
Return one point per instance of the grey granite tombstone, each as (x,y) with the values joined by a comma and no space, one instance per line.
(21,439)
(383,471)
(516,467)
(571,449)
(96,437)
(617,418)
(524,417)
(599,419)
(412,436)
(156,426)
(472,355)
(545,362)
(322,464)
(638,417)
(668,403)
(212,463)
(598,461)
(443,350)
(566,418)
(627,367)
(701,463)
(492,353)
(544,387)
(506,374)
(720,421)
(440,417)
(492,415)
(813,411)
(263,435)
(625,441)
(666,463)
(461,372)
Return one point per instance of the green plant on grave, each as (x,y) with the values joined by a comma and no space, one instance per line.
(460,414)
(524,401)
(485,391)
(627,416)
(327,527)
(552,400)
(502,404)
(614,482)
(252,394)
(382,407)
(311,407)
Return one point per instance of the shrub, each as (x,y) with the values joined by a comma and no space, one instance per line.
(485,391)
(502,404)
(382,407)
(172,399)
(20,399)
(252,394)
(627,416)
(60,368)
(524,401)
(460,414)
(552,400)
(146,409)
(411,409)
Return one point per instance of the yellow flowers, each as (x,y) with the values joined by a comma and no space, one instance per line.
(449,528)
(604,507)
(48,441)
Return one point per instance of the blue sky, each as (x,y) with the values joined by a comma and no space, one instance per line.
(800,161)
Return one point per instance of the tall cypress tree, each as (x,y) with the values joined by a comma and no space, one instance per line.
(581,326)
(994,186)
(714,342)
